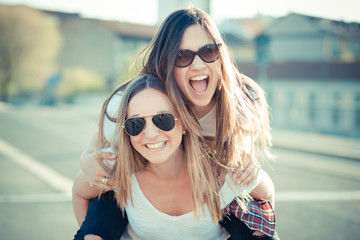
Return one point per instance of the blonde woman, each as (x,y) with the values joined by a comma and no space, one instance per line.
(168,190)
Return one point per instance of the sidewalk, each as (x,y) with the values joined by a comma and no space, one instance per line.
(317,143)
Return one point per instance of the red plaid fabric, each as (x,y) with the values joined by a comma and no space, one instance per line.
(259,217)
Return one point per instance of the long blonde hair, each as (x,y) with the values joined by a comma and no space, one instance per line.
(129,161)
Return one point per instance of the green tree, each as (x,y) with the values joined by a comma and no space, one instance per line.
(77,81)
(29,44)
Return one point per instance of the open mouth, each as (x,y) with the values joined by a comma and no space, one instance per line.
(157,145)
(199,84)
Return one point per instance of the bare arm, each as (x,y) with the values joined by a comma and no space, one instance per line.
(82,192)
(91,167)
(265,189)
(88,183)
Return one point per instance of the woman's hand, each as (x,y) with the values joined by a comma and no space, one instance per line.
(95,174)
(247,172)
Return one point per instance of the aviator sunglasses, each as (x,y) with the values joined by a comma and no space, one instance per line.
(208,53)
(164,121)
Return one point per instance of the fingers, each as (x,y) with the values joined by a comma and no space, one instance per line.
(241,167)
(99,181)
(102,180)
(105,180)
(106,156)
(248,176)
(103,185)
(107,184)
(91,167)
(94,171)
(248,173)
(110,184)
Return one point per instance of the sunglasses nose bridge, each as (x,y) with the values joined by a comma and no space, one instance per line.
(150,129)
(197,61)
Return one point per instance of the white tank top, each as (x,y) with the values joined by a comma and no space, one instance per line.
(146,222)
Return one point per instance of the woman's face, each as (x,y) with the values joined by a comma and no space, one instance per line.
(199,80)
(154,144)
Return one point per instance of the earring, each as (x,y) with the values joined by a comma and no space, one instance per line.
(184,132)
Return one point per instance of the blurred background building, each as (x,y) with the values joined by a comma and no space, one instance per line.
(309,66)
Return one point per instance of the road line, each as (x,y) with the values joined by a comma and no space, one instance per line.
(64,185)
(279,197)
(3,107)
(317,196)
(34,198)
(48,175)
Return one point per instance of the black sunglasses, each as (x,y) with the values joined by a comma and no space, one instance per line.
(164,121)
(208,53)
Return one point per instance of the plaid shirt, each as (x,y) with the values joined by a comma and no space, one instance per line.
(259,217)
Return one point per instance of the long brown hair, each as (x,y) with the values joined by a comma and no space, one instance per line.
(241,104)
(242,109)
(129,161)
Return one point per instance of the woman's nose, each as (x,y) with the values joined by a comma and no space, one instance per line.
(151,130)
(197,63)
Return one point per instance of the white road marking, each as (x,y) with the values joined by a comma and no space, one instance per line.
(279,197)
(48,175)
(34,198)
(317,196)
(64,185)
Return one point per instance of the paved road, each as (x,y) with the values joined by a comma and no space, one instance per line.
(317,195)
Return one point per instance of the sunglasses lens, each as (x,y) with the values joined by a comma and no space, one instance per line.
(164,121)
(209,53)
(134,126)
(184,58)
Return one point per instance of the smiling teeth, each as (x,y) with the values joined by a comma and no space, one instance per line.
(155,145)
(199,78)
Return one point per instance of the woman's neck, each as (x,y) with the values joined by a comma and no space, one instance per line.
(201,111)
(171,168)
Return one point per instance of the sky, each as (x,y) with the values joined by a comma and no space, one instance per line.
(145,11)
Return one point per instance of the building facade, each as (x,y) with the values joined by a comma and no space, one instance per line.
(310,67)
(313,74)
